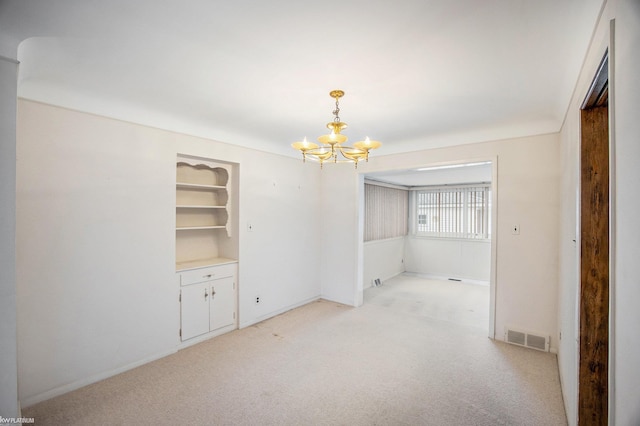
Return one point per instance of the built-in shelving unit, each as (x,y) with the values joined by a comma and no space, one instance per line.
(206,247)
(203,213)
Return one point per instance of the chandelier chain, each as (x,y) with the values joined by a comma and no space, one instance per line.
(336,112)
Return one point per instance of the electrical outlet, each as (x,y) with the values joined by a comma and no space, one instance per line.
(257,300)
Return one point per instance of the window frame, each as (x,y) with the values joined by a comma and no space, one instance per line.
(483,222)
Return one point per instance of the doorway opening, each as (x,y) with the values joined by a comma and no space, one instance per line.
(459,254)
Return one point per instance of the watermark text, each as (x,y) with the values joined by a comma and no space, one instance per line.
(16,420)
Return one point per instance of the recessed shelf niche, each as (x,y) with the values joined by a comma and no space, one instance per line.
(203,213)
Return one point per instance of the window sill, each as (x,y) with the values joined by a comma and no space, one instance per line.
(430,237)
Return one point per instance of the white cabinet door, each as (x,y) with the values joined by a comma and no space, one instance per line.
(223,303)
(194,309)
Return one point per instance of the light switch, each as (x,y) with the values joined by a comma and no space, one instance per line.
(515,229)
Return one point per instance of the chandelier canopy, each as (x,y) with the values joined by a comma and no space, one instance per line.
(332,148)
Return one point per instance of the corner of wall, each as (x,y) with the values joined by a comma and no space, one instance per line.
(9,405)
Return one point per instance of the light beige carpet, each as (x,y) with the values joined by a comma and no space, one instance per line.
(392,361)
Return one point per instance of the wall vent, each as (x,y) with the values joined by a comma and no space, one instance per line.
(527,339)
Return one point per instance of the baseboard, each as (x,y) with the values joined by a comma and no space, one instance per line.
(385,278)
(445,278)
(278,312)
(352,303)
(61,390)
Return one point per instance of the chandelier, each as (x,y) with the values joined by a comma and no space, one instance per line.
(332,148)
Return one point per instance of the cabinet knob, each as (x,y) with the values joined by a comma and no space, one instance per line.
(208,276)
(205,294)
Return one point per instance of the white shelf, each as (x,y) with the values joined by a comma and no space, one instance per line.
(199,263)
(182,206)
(192,228)
(203,203)
(198,186)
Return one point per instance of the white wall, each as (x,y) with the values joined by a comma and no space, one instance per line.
(387,258)
(280,257)
(96,281)
(625,232)
(382,259)
(569,251)
(569,241)
(8,360)
(441,257)
(449,258)
(340,233)
(627,204)
(528,195)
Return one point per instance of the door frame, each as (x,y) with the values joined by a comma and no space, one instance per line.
(493,159)
(594,295)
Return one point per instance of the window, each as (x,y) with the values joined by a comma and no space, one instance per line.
(386,212)
(454,212)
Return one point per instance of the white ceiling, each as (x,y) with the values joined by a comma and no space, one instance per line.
(449,174)
(417,73)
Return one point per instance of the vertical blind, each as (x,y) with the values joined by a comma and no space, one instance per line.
(455,212)
(386,212)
